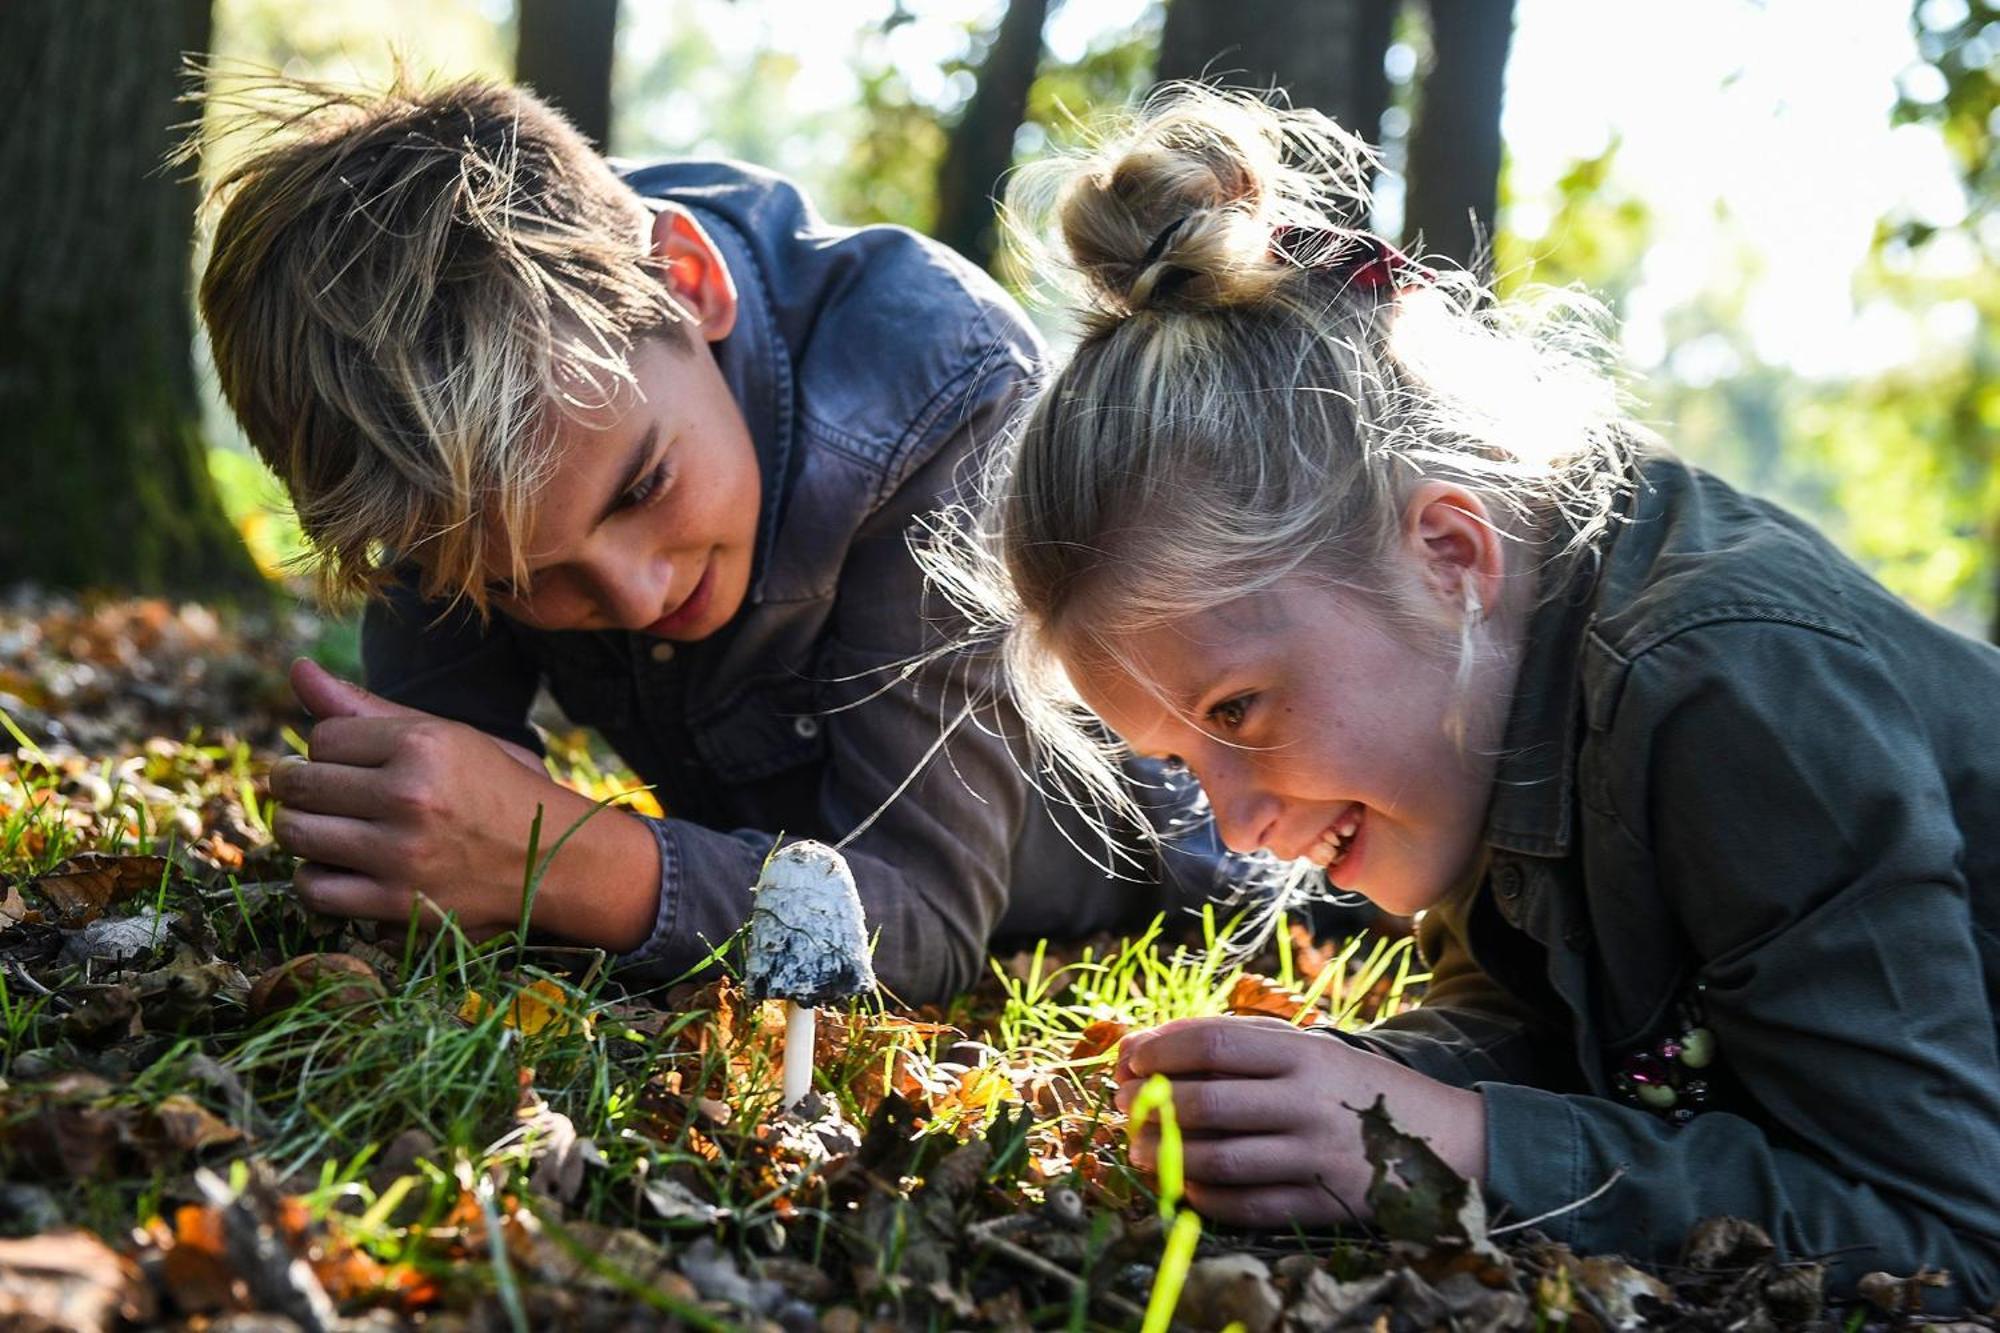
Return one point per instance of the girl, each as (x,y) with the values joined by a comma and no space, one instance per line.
(1704,825)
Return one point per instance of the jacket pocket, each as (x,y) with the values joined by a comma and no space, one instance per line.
(761,728)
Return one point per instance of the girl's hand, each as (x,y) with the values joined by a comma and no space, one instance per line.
(394,807)
(1267,1139)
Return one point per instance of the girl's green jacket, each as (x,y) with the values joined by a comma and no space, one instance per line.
(1738,933)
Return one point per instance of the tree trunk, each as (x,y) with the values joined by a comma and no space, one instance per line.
(1325,54)
(105,471)
(563,50)
(1454,168)
(981,148)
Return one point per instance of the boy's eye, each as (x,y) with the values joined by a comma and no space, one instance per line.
(646,487)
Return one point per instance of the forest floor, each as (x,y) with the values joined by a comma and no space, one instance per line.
(218,1111)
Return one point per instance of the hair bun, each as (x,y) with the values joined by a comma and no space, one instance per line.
(1179,212)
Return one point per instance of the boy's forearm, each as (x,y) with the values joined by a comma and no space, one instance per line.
(603,887)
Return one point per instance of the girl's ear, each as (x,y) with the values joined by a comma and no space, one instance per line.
(695,271)
(1456,545)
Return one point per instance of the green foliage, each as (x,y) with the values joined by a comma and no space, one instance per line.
(1597,233)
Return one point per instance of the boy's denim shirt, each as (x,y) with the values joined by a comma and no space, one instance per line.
(873,368)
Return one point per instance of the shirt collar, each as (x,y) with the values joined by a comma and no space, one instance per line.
(1534,783)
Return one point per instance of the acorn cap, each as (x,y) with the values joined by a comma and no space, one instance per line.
(808,938)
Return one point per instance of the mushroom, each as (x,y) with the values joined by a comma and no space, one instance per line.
(808,946)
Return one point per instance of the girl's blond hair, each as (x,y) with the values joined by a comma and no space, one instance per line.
(404,287)
(1240,408)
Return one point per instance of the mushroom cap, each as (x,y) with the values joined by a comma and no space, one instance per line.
(808,937)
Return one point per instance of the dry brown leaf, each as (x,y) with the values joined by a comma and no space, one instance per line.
(336,980)
(1900,1295)
(191,1127)
(1618,1286)
(81,888)
(14,908)
(1230,1289)
(69,1280)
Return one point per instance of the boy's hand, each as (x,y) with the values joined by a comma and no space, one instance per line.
(393,806)
(1266,1139)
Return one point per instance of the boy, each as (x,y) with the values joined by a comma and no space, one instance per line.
(656,442)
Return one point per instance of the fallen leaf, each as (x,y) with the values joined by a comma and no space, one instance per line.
(1257,995)
(1414,1193)
(1726,1243)
(114,939)
(335,980)
(1617,1287)
(716,1276)
(103,1014)
(191,1127)
(193,1263)
(1230,1289)
(543,1005)
(1900,1295)
(81,888)
(1098,1038)
(677,1203)
(69,1280)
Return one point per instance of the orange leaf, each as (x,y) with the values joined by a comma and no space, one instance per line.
(1260,995)
(1098,1038)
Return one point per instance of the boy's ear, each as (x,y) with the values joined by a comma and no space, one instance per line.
(1450,531)
(696,271)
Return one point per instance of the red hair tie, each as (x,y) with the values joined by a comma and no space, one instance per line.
(1355,259)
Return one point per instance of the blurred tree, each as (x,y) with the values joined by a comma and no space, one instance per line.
(1454,150)
(563,50)
(1955,265)
(103,451)
(981,146)
(1326,54)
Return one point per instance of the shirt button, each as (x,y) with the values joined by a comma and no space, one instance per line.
(662,651)
(807,727)
(1507,880)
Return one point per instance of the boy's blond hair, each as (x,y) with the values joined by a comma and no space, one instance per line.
(402,285)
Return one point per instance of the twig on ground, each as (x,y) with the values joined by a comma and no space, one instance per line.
(22,973)
(1571,1207)
(986,1236)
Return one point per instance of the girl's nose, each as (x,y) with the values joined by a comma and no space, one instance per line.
(1244,817)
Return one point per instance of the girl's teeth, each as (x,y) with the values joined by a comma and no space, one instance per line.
(1348,823)
(1322,852)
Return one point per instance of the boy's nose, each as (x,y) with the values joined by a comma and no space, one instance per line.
(634,595)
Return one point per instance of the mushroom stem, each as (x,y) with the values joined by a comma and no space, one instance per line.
(799,1022)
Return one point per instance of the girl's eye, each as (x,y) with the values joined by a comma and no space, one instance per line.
(1230,714)
(646,488)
